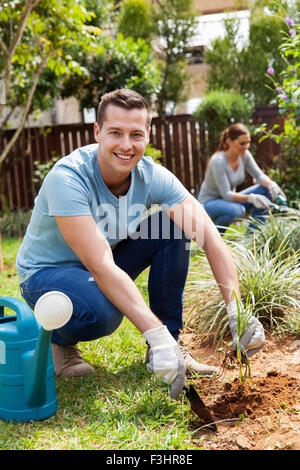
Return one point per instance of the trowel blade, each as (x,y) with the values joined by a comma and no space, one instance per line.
(199,407)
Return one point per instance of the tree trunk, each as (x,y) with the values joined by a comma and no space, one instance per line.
(18,131)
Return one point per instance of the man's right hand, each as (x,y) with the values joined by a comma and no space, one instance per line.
(166,360)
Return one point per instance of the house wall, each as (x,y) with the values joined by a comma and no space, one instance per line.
(205,7)
(63,112)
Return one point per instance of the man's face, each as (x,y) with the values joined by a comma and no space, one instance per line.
(122,140)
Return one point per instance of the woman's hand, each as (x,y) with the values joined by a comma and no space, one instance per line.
(259,201)
(275,191)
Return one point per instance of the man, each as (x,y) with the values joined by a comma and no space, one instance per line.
(88,237)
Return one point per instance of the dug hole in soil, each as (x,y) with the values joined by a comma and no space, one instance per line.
(264,414)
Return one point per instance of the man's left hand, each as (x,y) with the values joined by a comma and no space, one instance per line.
(253,337)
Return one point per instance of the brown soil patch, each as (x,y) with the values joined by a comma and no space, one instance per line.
(265,412)
(262,396)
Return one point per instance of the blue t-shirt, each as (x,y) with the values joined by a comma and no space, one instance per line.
(75,187)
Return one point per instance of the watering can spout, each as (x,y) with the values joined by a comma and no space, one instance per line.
(35,368)
(53,310)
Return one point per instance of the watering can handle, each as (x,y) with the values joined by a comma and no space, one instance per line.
(25,315)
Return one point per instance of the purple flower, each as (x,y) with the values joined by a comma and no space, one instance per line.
(279,91)
(283,97)
(271,71)
(292,32)
(289,21)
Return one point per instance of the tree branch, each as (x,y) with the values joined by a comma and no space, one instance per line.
(3,47)
(5,120)
(35,4)
(9,52)
(22,23)
(26,109)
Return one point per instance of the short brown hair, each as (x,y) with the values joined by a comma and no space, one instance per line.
(124,98)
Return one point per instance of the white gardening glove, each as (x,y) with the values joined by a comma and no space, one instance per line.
(275,191)
(259,201)
(166,360)
(253,337)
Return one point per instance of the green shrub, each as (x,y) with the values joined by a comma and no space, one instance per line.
(135,20)
(286,164)
(14,223)
(218,110)
(154,153)
(41,170)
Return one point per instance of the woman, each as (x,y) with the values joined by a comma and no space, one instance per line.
(226,170)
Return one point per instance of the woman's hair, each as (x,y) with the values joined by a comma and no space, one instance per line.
(232,132)
(124,98)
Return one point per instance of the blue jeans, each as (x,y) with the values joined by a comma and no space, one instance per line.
(223,212)
(166,251)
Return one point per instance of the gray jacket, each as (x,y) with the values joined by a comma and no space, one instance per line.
(221,180)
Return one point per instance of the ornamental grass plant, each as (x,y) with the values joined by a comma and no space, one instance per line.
(268,265)
(278,230)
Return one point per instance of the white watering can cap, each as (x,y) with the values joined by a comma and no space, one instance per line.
(53,310)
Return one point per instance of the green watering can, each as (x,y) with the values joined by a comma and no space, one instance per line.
(27,380)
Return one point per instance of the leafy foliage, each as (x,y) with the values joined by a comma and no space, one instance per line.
(154,153)
(14,224)
(41,170)
(38,36)
(175,24)
(51,28)
(218,110)
(285,86)
(286,164)
(243,69)
(135,20)
(122,63)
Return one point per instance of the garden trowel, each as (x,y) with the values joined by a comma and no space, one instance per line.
(199,407)
(281,206)
(284,209)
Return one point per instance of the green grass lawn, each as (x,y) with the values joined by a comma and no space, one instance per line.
(120,407)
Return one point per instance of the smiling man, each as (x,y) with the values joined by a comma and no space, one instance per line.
(90,236)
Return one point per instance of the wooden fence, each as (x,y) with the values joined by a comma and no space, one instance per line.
(182,140)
